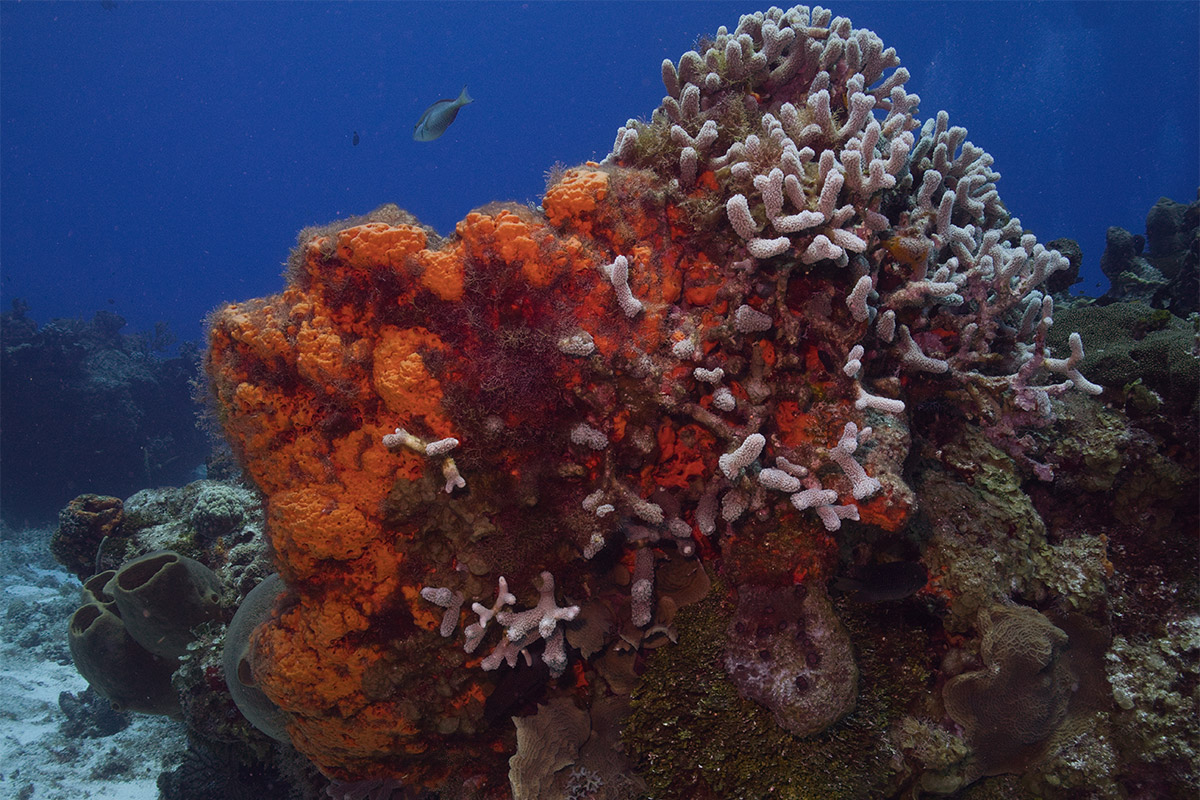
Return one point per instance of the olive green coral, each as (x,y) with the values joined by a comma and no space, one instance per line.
(1011,707)
(985,534)
(1131,341)
(1039,687)
(1156,686)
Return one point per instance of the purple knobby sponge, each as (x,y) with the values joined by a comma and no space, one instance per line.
(787,650)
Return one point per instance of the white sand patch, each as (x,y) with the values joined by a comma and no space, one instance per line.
(38,760)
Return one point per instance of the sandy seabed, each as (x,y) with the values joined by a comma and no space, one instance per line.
(47,753)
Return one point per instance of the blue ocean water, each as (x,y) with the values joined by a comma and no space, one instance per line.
(159,158)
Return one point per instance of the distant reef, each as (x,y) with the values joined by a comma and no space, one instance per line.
(89,408)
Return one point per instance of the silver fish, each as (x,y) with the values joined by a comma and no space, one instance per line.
(437,117)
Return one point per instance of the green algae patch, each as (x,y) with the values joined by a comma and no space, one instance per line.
(693,736)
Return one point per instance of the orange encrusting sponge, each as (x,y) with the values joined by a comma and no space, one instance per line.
(511,386)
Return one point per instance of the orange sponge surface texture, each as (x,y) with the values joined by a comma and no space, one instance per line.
(510,338)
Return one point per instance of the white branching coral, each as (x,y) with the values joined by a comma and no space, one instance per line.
(738,210)
(451,601)
(618,275)
(779,481)
(863,486)
(837,134)
(1070,366)
(745,455)
(544,617)
(441,447)
(684,349)
(475,631)
(642,589)
(402,438)
(436,449)
(747,319)
(588,436)
(822,501)
(723,399)
(913,356)
(853,361)
(453,479)
(856,301)
(521,628)
(813,497)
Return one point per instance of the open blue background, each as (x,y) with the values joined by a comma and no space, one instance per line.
(159,158)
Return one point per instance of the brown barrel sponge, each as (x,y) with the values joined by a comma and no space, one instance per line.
(95,590)
(116,666)
(162,596)
(238,664)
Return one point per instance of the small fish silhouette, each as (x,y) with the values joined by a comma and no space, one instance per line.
(437,117)
(880,583)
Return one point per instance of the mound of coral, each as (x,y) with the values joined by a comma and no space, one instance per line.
(568,465)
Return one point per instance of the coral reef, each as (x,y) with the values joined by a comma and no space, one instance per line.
(554,501)
(217,523)
(1132,277)
(152,641)
(1155,685)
